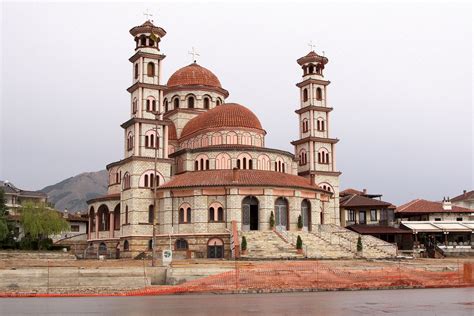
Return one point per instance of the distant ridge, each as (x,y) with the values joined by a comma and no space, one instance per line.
(72,193)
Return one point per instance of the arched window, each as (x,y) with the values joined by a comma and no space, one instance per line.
(126,214)
(126,246)
(263,162)
(148,179)
(323,156)
(181,244)
(184,214)
(151,42)
(104,218)
(305,124)
(143,40)
(150,244)
(246,139)
(117,217)
(243,161)
(279,165)
(216,139)
(176,103)
(151,214)
(191,102)
(305,95)
(216,212)
(136,71)
(151,139)
(126,181)
(218,101)
(319,94)
(151,104)
(281,213)
(231,138)
(129,141)
(150,69)
(92,219)
(223,161)
(206,103)
(212,214)
(311,69)
(196,165)
(134,105)
(201,163)
(320,124)
(165,103)
(303,157)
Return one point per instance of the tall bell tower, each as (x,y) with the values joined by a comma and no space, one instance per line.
(146,129)
(315,149)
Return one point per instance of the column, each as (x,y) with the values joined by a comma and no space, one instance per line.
(97,225)
(111,225)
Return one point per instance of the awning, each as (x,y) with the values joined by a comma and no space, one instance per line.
(439,226)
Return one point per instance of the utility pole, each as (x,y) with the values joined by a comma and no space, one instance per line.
(155,181)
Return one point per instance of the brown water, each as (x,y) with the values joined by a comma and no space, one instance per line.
(389,302)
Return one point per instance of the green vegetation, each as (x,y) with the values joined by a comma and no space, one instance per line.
(300,221)
(272,220)
(39,221)
(243,246)
(359,244)
(4,231)
(299,243)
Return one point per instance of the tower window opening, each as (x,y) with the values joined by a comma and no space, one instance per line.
(166,105)
(311,69)
(206,103)
(153,105)
(136,71)
(146,141)
(150,69)
(319,94)
(176,103)
(143,40)
(305,95)
(151,42)
(190,102)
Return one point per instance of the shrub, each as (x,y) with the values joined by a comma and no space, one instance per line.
(300,222)
(359,244)
(244,243)
(45,244)
(272,220)
(299,243)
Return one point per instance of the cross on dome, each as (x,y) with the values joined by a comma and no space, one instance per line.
(148,15)
(194,53)
(311,45)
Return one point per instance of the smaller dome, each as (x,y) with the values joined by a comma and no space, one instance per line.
(194,74)
(231,115)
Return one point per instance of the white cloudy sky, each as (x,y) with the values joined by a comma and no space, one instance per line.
(400,72)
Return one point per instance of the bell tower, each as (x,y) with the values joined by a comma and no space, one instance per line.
(315,149)
(146,129)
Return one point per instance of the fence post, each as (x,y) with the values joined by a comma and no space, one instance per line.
(47,289)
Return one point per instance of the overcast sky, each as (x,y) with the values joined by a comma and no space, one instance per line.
(401,83)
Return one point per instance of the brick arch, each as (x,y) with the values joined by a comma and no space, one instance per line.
(103,216)
(223,161)
(263,162)
(147,180)
(244,161)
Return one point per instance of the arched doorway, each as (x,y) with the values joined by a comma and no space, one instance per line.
(281,214)
(215,248)
(102,249)
(250,213)
(103,217)
(306,214)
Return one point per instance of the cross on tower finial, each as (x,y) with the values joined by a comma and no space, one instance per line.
(148,15)
(194,53)
(311,45)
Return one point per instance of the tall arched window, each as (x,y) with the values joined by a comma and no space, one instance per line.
(136,71)
(151,42)
(305,95)
(323,156)
(216,212)
(218,101)
(126,214)
(206,103)
(104,218)
(165,103)
(134,105)
(191,102)
(151,214)
(184,214)
(117,217)
(92,219)
(223,161)
(129,141)
(150,69)
(126,246)
(319,94)
(281,213)
(143,40)
(320,124)
(305,124)
(263,162)
(126,181)
(176,103)
(311,69)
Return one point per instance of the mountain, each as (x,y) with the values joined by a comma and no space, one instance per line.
(72,193)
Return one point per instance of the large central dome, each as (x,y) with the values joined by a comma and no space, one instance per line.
(193,74)
(230,115)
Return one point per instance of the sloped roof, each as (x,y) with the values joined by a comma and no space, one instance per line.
(220,178)
(377,229)
(355,200)
(424,206)
(465,196)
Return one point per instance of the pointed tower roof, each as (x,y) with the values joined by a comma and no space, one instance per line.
(312,56)
(147,27)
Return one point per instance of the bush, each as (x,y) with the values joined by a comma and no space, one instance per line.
(299,243)
(272,220)
(27,243)
(45,244)
(300,222)
(359,244)
(244,243)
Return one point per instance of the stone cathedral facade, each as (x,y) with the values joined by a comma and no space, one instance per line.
(196,166)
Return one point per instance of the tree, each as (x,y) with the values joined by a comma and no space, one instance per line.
(244,243)
(359,244)
(39,221)
(300,221)
(299,243)
(3,216)
(272,220)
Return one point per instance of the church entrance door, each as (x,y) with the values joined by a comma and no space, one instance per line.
(215,248)
(250,213)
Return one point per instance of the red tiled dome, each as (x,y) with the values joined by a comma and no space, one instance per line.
(231,115)
(193,74)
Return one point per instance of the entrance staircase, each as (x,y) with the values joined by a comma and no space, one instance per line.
(327,242)
(268,245)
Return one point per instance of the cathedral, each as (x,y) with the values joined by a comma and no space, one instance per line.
(196,172)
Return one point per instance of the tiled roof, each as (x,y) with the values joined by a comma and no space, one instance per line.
(465,196)
(172,135)
(350,191)
(312,56)
(193,74)
(108,197)
(424,206)
(376,229)
(147,27)
(355,200)
(10,188)
(230,115)
(219,178)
